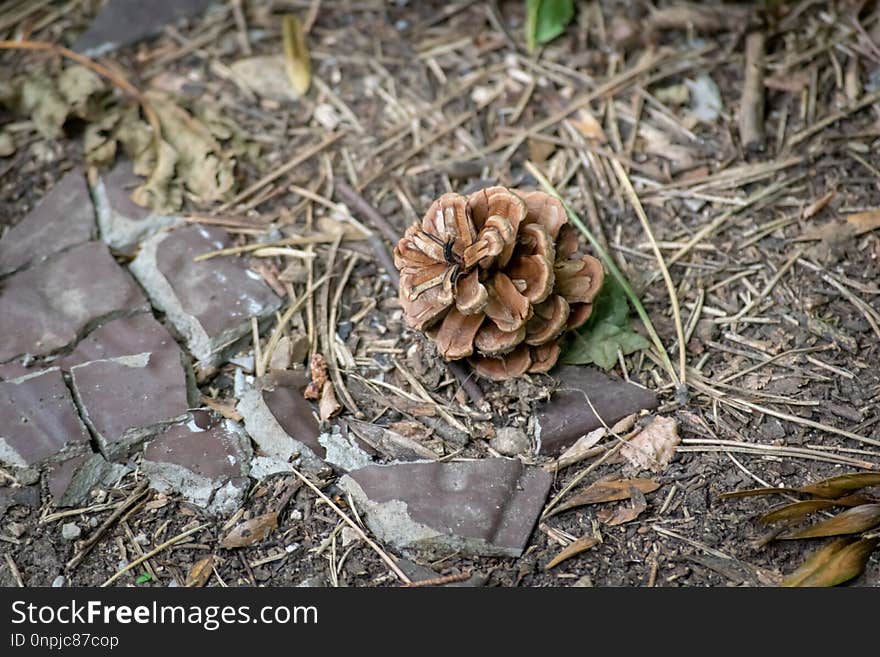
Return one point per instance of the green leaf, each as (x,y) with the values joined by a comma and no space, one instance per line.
(607,330)
(143,579)
(546,20)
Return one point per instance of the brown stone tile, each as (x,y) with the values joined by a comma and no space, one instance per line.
(38,420)
(64,217)
(210,303)
(567,416)
(46,307)
(485,507)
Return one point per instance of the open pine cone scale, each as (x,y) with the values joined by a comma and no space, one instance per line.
(496,277)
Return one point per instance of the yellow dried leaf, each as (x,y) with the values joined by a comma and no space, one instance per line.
(296,54)
(200,572)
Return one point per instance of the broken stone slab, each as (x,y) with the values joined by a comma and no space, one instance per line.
(482,507)
(568,416)
(127,399)
(46,307)
(123,22)
(343,452)
(280,420)
(210,303)
(123,336)
(72,479)
(38,420)
(204,460)
(63,218)
(121,221)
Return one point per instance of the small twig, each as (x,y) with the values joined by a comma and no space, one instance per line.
(440,581)
(351,523)
(93,540)
(13,568)
(152,553)
(280,171)
(751,108)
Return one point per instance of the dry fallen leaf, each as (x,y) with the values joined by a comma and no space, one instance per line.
(265,76)
(801,509)
(851,521)
(578,546)
(654,446)
(588,126)
(296,54)
(606,491)
(200,572)
(842,484)
(250,531)
(628,513)
(834,564)
(329,405)
(818,205)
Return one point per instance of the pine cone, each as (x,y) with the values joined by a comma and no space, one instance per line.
(496,277)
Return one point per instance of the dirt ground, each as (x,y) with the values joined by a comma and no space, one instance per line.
(779,299)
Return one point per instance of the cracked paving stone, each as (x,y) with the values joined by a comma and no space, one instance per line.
(126,399)
(204,459)
(70,481)
(482,507)
(210,303)
(38,420)
(124,336)
(46,307)
(280,420)
(63,218)
(123,22)
(568,416)
(121,221)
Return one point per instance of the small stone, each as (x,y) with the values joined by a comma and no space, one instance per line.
(17,529)
(584,582)
(27,476)
(58,582)
(349,536)
(482,507)
(210,303)
(510,441)
(70,531)
(46,307)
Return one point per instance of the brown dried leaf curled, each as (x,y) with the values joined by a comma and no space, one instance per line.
(496,277)
(200,572)
(834,564)
(250,531)
(606,491)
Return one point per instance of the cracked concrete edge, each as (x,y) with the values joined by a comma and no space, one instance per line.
(391,523)
(160,292)
(271,437)
(117,230)
(343,452)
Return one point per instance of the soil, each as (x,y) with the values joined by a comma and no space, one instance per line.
(384,60)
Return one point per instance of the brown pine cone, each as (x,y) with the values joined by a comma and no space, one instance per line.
(496,277)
